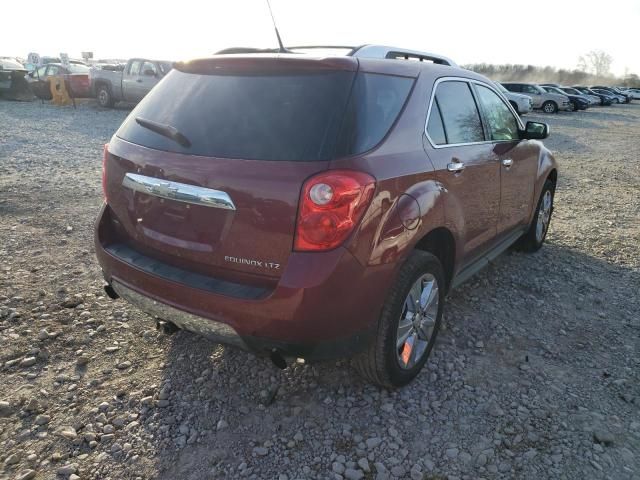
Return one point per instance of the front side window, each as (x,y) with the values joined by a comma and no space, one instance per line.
(53,70)
(459,112)
(530,89)
(503,126)
(149,66)
(40,72)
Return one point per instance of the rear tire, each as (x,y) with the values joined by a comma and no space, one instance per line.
(534,237)
(386,363)
(550,107)
(105,99)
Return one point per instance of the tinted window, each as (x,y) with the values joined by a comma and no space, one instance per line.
(502,124)
(291,117)
(530,89)
(512,88)
(435,127)
(459,113)
(374,106)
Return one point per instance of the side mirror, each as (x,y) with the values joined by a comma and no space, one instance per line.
(535,131)
(149,73)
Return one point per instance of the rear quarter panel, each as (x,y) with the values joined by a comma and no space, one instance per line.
(407,201)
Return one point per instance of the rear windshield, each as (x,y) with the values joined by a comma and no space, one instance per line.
(290,117)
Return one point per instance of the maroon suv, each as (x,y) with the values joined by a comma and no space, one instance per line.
(314,207)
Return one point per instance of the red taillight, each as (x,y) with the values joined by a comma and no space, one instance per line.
(331,205)
(105,156)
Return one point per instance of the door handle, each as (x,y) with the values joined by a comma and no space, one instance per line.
(507,162)
(456,167)
(139,80)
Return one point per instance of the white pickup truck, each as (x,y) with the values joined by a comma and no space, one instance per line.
(129,84)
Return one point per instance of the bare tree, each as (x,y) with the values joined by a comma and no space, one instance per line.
(596,61)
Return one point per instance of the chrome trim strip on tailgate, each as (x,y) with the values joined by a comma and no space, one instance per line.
(180,192)
(216,331)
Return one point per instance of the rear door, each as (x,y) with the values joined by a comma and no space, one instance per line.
(221,195)
(466,165)
(149,77)
(131,81)
(518,160)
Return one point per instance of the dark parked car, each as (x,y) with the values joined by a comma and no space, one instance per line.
(577,102)
(315,207)
(604,98)
(615,91)
(76,77)
(617,98)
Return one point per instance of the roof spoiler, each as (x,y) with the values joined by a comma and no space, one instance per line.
(363,51)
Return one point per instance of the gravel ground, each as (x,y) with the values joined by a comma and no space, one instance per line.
(536,374)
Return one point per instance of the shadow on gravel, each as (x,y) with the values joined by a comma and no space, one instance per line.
(543,311)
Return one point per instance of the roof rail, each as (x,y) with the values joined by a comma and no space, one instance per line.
(382,51)
(363,51)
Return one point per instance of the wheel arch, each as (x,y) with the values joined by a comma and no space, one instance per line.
(441,243)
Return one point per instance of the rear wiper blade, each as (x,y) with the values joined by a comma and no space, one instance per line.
(165,130)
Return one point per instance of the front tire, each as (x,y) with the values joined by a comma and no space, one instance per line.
(550,107)
(573,107)
(534,237)
(408,325)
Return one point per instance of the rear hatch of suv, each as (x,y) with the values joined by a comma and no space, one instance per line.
(206,172)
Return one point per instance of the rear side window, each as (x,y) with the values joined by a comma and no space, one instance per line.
(294,116)
(435,127)
(459,112)
(373,108)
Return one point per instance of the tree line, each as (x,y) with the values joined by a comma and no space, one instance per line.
(593,69)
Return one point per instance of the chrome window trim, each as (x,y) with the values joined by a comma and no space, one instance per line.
(180,192)
(469,81)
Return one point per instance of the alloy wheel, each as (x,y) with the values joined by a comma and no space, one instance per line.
(544,214)
(417,321)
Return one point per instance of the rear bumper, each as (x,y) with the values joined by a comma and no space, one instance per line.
(325,305)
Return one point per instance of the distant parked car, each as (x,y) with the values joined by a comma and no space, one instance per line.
(577,102)
(634,92)
(521,103)
(8,68)
(547,102)
(605,99)
(592,99)
(616,91)
(617,98)
(76,77)
(131,84)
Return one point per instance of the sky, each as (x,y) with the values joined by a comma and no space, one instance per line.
(491,31)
